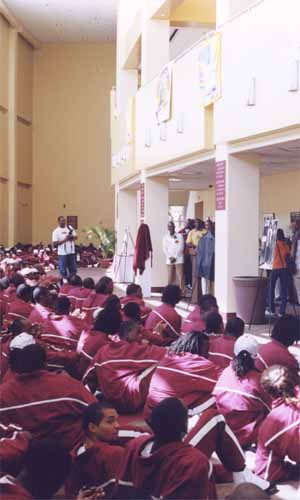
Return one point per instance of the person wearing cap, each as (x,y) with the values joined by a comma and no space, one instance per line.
(63,238)
(239,394)
(21,306)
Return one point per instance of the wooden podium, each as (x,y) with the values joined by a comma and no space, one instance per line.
(196,282)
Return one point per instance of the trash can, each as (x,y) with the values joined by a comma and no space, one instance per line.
(250,294)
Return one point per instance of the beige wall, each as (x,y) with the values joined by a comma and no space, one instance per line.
(4,45)
(280,194)
(72,86)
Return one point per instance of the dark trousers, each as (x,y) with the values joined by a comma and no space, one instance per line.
(282,275)
(67,265)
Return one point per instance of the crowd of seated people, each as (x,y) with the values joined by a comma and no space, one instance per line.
(134,402)
(44,257)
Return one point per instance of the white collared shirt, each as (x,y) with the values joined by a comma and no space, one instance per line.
(173,246)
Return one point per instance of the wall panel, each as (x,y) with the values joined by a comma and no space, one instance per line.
(4,35)
(3,144)
(3,212)
(24,213)
(24,80)
(24,152)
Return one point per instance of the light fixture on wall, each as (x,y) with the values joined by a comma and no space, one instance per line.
(180,123)
(148,138)
(163,131)
(251,101)
(294,75)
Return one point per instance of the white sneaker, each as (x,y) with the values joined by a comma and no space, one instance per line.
(247,476)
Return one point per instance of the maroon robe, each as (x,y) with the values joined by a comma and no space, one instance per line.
(13,446)
(145,310)
(123,372)
(186,376)
(11,489)
(221,350)
(62,330)
(175,470)
(168,315)
(94,466)
(278,439)
(18,309)
(46,404)
(89,344)
(77,295)
(243,402)
(39,313)
(93,302)
(275,353)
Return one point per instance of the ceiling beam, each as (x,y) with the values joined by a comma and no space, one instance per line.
(18,26)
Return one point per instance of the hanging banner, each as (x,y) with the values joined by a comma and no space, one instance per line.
(220,185)
(164,94)
(209,61)
(142,201)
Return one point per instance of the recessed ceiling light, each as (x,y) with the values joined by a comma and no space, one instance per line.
(174,179)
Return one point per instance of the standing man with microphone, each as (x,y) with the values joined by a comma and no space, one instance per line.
(63,238)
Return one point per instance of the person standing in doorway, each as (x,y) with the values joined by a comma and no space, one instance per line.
(63,238)
(173,247)
(280,272)
(205,258)
(295,253)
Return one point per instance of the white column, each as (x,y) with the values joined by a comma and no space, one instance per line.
(155,47)
(237,227)
(126,216)
(156,216)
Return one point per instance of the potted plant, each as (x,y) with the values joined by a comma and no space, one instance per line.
(105,239)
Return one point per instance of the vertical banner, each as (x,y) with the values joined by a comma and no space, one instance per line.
(220,185)
(268,243)
(209,61)
(142,201)
(164,94)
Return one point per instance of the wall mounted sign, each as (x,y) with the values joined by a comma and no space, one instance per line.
(220,185)
(72,220)
(142,200)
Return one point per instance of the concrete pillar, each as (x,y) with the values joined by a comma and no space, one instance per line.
(12,124)
(155,47)
(125,217)
(156,202)
(237,227)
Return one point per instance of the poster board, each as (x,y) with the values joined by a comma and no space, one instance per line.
(164,94)
(268,242)
(209,62)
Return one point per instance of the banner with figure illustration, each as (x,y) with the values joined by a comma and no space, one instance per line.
(209,61)
(268,242)
(164,94)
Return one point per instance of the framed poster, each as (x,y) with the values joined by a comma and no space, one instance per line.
(164,94)
(209,62)
(72,220)
(268,243)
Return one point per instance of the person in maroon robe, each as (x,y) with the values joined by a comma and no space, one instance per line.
(166,313)
(278,448)
(186,373)
(221,347)
(43,403)
(60,329)
(161,465)
(134,294)
(41,309)
(81,293)
(75,283)
(239,394)
(196,320)
(285,333)
(97,298)
(46,466)
(97,460)
(20,307)
(122,369)
(107,323)
(9,293)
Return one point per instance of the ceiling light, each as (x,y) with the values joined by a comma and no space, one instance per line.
(174,179)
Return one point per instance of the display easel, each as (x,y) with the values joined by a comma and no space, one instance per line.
(124,253)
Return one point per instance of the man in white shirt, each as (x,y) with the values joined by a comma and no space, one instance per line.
(63,238)
(173,247)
